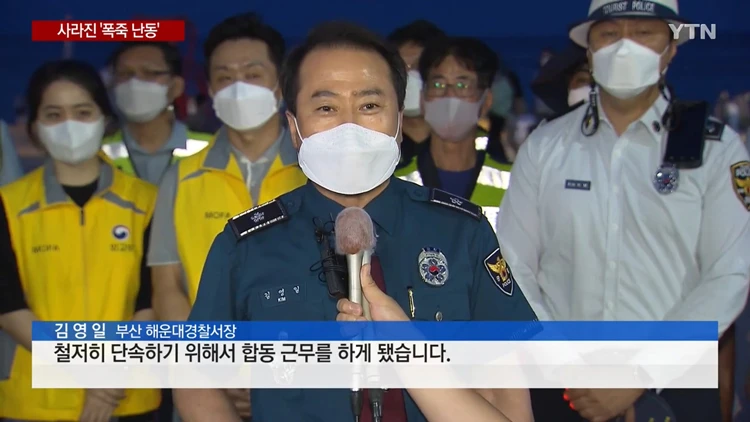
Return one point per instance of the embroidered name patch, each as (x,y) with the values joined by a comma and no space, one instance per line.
(258,218)
(578,184)
(499,272)
(741,180)
(282,295)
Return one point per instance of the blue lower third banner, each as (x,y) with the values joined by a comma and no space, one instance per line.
(374,355)
(376,331)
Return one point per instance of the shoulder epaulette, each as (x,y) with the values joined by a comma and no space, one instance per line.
(570,110)
(455,202)
(258,218)
(713,130)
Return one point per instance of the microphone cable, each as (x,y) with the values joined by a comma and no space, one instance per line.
(376,404)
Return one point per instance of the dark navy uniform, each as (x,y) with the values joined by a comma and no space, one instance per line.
(274,247)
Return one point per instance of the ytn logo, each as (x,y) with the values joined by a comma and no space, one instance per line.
(707,32)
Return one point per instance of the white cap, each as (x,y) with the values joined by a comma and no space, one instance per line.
(600,10)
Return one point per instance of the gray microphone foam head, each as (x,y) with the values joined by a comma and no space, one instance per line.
(354,231)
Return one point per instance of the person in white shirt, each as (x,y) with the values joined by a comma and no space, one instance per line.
(634,206)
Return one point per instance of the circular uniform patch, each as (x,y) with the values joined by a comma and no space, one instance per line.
(433,267)
(667,179)
(120,232)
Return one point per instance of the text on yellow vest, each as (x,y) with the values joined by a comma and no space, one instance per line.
(116,150)
(76,264)
(211,190)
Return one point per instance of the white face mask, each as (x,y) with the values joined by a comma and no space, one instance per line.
(349,159)
(452,118)
(141,101)
(72,141)
(244,106)
(625,69)
(577,95)
(412,106)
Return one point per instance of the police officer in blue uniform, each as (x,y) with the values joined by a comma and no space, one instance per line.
(344,89)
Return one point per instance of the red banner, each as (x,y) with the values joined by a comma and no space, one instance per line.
(101,31)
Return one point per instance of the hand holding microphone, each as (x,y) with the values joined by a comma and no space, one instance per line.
(382,306)
(355,238)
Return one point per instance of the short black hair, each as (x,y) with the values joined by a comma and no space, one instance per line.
(419,32)
(171,54)
(246,25)
(75,71)
(472,53)
(341,34)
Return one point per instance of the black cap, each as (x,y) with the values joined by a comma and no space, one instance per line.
(551,85)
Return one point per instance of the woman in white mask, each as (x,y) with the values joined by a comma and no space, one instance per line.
(147,79)
(410,40)
(72,240)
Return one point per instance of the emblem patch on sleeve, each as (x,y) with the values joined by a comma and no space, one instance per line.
(741,181)
(499,271)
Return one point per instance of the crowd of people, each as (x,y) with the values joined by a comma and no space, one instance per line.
(625,203)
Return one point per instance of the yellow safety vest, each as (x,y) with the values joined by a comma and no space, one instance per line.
(76,264)
(116,150)
(211,190)
(492,182)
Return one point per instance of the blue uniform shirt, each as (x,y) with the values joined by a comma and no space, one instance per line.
(245,273)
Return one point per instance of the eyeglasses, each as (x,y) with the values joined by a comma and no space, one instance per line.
(460,89)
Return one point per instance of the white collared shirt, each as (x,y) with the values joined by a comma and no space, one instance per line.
(588,236)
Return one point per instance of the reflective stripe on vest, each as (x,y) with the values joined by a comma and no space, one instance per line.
(496,178)
(491,214)
(480,143)
(488,176)
(118,150)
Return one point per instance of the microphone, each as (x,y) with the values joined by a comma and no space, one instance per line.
(355,238)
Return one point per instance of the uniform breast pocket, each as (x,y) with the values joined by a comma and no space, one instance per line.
(289,302)
(440,304)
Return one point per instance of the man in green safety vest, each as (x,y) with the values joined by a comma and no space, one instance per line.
(458,73)
(146,78)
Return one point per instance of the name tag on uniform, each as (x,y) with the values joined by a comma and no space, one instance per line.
(578,184)
(282,295)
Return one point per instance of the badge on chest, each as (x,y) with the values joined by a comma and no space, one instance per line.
(667,179)
(433,267)
(121,243)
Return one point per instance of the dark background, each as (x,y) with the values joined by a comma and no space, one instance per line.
(518,30)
